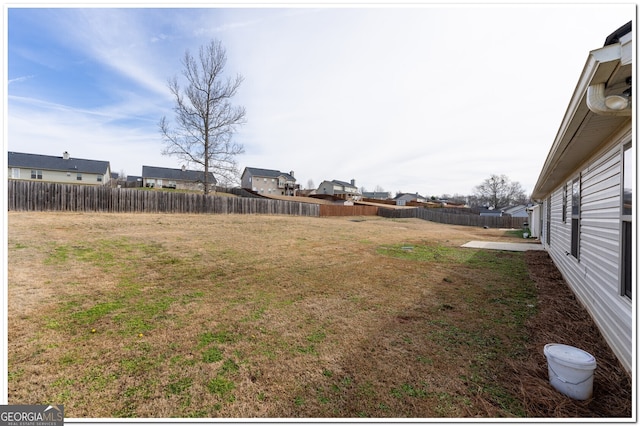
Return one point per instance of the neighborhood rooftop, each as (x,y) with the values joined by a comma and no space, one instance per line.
(63,163)
(175,174)
(268,172)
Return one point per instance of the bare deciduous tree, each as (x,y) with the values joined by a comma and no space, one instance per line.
(205,118)
(499,191)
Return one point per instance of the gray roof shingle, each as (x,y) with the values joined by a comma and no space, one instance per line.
(345,184)
(151,172)
(268,173)
(48,162)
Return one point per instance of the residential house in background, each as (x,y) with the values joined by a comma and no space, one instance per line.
(126,181)
(162,177)
(402,198)
(584,192)
(64,169)
(490,212)
(269,182)
(339,189)
(516,211)
(379,195)
(134,181)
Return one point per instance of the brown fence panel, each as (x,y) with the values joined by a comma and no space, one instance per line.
(46,196)
(455,218)
(339,210)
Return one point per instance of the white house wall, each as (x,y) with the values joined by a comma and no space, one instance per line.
(595,276)
(60,176)
(534,221)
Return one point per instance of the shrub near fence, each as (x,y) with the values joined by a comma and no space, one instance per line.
(45,196)
(435,215)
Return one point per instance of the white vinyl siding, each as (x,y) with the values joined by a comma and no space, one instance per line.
(595,275)
(57,176)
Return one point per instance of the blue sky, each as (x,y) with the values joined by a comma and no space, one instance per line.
(428,98)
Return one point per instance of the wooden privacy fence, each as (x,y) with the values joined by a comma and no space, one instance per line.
(45,196)
(340,210)
(435,215)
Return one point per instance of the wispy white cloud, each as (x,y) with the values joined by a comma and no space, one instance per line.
(119,39)
(20,79)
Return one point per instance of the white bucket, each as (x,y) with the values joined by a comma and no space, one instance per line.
(570,370)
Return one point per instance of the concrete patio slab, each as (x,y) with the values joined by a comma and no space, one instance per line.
(491,245)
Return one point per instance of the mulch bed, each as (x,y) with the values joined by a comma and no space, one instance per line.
(561,318)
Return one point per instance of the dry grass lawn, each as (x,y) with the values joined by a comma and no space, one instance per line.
(153,316)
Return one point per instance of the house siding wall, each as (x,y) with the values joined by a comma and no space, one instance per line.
(595,275)
(245,180)
(326,188)
(534,221)
(272,185)
(265,185)
(61,176)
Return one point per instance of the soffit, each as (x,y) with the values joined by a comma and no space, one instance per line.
(582,132)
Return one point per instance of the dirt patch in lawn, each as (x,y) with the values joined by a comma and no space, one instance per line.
(247,316)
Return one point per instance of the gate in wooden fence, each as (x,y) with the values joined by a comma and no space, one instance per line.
(45,196)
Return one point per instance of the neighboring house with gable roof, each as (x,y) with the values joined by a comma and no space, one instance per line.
(64,169)
(377,195)
(269,182)
(516,211)
(162,177)
(584,191)
(338,188)
(402,198)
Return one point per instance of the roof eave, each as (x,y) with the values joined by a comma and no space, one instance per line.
(599,66)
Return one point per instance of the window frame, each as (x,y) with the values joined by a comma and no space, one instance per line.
(626,224)
(548,214)
(564,203)
(36,174)
(576,194)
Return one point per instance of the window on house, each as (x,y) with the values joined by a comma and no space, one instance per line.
(575,217)
(15,173)
(564,203)
(79,176)
(99,178)
(627,221)
(36,174)
(549,220)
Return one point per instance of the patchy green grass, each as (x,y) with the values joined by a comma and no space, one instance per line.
(229,316)
(517,233)
(424,252)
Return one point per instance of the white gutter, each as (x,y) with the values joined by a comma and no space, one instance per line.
(600,65)
(610,105)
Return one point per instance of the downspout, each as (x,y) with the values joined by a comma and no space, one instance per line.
(610,105)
